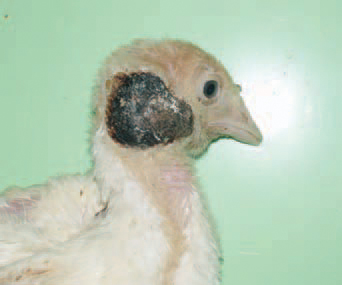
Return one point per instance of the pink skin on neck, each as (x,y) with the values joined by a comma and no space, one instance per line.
(177,179)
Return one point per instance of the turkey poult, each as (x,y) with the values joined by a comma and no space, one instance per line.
(137,217)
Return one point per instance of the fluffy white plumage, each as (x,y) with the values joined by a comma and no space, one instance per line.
(138,216)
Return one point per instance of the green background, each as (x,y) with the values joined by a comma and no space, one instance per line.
(278,206)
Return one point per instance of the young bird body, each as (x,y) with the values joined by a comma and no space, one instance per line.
(138,216)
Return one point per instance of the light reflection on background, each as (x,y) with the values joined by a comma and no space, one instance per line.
(273,104)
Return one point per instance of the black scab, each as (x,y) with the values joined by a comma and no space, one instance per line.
(142,112)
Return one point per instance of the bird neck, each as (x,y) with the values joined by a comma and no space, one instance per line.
(167,178)
(155,184)
(164,175)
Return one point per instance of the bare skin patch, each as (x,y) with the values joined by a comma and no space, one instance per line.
(142,112)
(17,204)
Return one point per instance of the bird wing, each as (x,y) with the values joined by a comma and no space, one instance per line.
(36,218)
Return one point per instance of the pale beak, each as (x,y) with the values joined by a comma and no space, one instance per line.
(232,120)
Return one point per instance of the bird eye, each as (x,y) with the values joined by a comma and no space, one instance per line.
(210,89)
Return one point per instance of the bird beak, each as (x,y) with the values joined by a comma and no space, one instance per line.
(232,120)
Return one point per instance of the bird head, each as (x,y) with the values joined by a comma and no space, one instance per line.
(169,93)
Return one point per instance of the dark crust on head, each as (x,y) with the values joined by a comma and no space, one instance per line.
(142,112)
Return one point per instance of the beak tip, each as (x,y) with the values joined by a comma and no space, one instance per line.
(254,140)
(259,140)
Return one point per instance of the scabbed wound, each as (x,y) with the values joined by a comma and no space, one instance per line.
(142,112)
